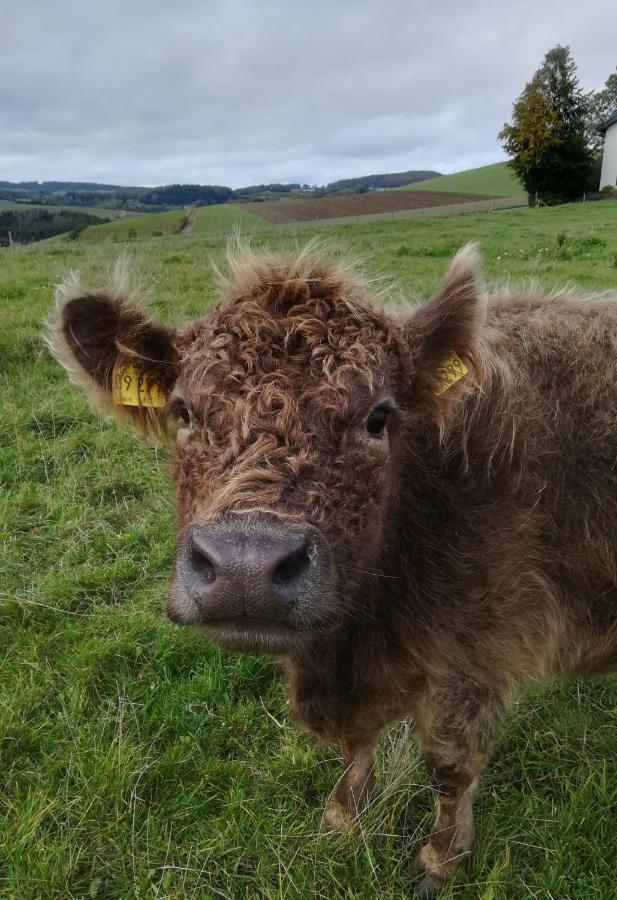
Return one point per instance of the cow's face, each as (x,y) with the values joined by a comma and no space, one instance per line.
(290,403)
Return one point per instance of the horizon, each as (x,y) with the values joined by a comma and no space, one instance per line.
(115,183)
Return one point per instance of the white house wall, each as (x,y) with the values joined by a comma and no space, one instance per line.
(609,160)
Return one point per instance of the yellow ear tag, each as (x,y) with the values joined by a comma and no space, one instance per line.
(449,372)
(133,386)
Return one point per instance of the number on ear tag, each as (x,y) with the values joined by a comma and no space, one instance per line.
(449,372)
(133,386)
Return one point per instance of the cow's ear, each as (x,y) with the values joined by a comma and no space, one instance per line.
(124,361)
(441,338)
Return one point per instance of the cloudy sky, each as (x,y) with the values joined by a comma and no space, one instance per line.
(240,92)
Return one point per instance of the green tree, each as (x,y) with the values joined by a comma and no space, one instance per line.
(602,104)
(547,138)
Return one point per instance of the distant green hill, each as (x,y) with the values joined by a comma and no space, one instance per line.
(223,218)
(210,220)
(146,226)
(496,180)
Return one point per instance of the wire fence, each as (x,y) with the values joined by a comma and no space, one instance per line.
(264,226)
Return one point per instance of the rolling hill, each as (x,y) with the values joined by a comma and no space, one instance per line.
(144,226)
(496,180)
(223,218)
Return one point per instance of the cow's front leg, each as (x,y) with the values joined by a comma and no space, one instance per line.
(354,787)
(455,734)
(454,773)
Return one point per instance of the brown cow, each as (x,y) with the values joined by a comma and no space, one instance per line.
(415,508)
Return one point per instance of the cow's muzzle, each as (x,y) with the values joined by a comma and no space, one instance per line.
(253,581)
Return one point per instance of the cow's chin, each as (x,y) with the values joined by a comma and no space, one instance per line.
(246,636)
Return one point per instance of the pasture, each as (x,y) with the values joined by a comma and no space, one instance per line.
(136,760)
(223,218)
(496,180)
(139,226)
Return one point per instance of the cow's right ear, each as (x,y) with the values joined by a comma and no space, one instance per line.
(124,361)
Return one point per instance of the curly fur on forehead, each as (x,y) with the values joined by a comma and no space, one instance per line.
(281,279)
(291,315)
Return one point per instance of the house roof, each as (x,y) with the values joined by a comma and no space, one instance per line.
(604,126)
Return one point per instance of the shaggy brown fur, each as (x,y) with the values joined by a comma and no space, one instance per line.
(474,545)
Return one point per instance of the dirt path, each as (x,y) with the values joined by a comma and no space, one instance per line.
(191,218)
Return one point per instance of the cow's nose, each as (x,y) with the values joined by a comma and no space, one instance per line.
(281,560)
(238,573)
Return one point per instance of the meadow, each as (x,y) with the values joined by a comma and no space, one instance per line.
(497,180)
(137,760)
(137,227)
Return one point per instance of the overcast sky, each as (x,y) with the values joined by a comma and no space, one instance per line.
(249,91)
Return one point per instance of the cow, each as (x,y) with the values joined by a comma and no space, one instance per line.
(412,506)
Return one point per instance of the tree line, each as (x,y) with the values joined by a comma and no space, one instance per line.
(22,226)
(158,199)
(553,137)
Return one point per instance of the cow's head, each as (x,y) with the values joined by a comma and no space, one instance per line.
(291,403)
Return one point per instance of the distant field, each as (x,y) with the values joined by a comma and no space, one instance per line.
(210,220)
(139,761)
(91,210)
(224,217)
(151,225)
(497,180)
(350,205)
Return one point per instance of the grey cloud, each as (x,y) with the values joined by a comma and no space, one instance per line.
(239,92)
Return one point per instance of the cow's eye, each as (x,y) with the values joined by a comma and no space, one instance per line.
(179,411)
(377,421)
(184,415)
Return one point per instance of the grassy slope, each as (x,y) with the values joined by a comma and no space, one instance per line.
(145,226)
(224,218)
(211,220)
(496,180)
(138,761)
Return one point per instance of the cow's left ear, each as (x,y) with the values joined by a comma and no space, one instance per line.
(124,361)
(441,338)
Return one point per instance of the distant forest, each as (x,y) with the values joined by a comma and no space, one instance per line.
(373,182)
(22,226)
(113,196)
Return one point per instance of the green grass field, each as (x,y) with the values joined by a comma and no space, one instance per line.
(497,180)
(211,221)
(225,217)
(136,760)
(138,227)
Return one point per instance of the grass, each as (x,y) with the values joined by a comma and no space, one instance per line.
(225,217)
(137,227)
(211,220)
(136,760)
(497,180)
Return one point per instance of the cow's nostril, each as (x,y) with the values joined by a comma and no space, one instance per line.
(201,563)
(292,567)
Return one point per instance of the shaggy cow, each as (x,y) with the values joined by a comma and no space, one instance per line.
(416,508)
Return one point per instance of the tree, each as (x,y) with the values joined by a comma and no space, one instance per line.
(547,138)
(602,104)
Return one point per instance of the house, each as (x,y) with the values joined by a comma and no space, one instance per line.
(609,160)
